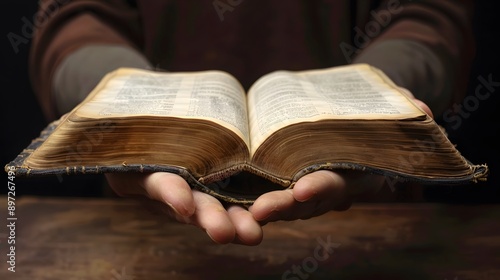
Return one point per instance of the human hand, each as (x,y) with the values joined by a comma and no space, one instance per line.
(315,194)
(419,102)
(319,192)
(172,194)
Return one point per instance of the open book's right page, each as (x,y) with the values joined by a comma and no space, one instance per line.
(356,91)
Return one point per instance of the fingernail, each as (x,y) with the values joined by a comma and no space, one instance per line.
(269,216)
(185,214)
(304,199)
(206,231)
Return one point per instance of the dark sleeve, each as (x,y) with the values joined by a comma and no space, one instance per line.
(70,25)
(427,47)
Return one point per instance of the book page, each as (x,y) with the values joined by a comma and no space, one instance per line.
(349,92)
(209,95)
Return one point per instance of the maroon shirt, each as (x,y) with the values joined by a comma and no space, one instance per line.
(248,38)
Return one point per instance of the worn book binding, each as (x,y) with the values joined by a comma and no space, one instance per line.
(219,189)
(236,145)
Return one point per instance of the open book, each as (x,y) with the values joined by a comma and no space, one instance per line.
(204,127)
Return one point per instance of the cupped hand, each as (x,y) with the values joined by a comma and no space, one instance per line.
(223,224)
(315,194)
(319,192)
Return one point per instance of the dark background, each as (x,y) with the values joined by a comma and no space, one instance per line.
(476,138)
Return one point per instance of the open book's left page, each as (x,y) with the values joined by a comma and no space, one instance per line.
(210,95)
(192,121)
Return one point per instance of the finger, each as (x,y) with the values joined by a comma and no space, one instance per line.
(313,195)
(361,183)
(321,184)
(424,107)
(211,216)
(279,206)
(170,189)
(126,184)
(329,188)
(248,230)
(270,204)
(164,187)
(421,104)
(162,208)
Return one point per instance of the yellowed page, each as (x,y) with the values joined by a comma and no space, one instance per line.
(209,95)
(358,91)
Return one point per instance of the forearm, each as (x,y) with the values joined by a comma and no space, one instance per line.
(82,70)
(71,26)
(414,66)
(427,47)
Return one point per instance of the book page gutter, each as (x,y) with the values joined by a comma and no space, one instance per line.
(213,96)
(284,98)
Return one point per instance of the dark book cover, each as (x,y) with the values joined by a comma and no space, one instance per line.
(241,189)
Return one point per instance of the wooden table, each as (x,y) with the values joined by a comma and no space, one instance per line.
(120,239)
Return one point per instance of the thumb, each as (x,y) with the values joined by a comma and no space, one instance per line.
(419,102)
